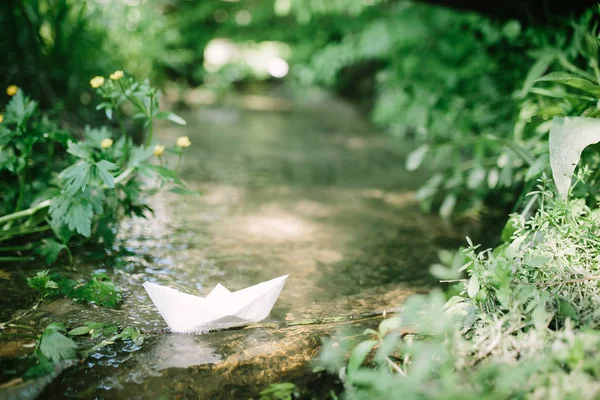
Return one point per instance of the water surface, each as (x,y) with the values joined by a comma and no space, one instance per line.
(309,189)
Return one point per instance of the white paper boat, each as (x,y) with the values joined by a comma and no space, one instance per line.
(185,313)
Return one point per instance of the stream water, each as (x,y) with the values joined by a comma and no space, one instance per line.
(306,188)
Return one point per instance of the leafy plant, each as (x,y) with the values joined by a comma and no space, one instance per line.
(100,179)
(55,346)
(98,290)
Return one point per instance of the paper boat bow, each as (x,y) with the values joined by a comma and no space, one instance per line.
(186,313)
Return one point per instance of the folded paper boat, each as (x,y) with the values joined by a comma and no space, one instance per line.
(185,313)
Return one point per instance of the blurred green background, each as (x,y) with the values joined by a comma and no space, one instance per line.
(455,77)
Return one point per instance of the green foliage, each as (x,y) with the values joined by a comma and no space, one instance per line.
(43,284)
(524,324)
(56,346)
(280,391)
(78,187)
(98,290)
(57,45)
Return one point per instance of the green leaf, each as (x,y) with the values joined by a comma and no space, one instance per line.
(566,309)
(358,355)
(56,346)
(508,231)
(539,166)
(133,334)
(171,117)
(473,287)
(43,284)
(99,290)
(79,150)
(573,81)
(50,249)
(104,167)
(536,71)
(79,218)
(80,330)
(42,367)
(76,177)
(415,159)
(19,109)
(94,136)
(139,155)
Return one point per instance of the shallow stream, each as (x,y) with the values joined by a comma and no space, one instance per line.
(307,188)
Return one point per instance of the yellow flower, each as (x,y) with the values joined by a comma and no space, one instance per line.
(106,143)
(183,141)
(1,118)
(115,76)
(97,81)
(158,149)
(12,90)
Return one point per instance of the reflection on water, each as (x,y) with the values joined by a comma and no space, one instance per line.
(312,192)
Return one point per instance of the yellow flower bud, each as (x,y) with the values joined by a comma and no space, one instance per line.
(97,81)
(115,76)
(12,90)
(183,141)
(106,143)
(158,149)
(1,118)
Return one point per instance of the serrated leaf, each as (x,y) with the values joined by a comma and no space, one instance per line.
(76,177)
(50,249)
(78,150)
(56,346)
(19,109)
(171,117)
(79,218)
(104,167)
